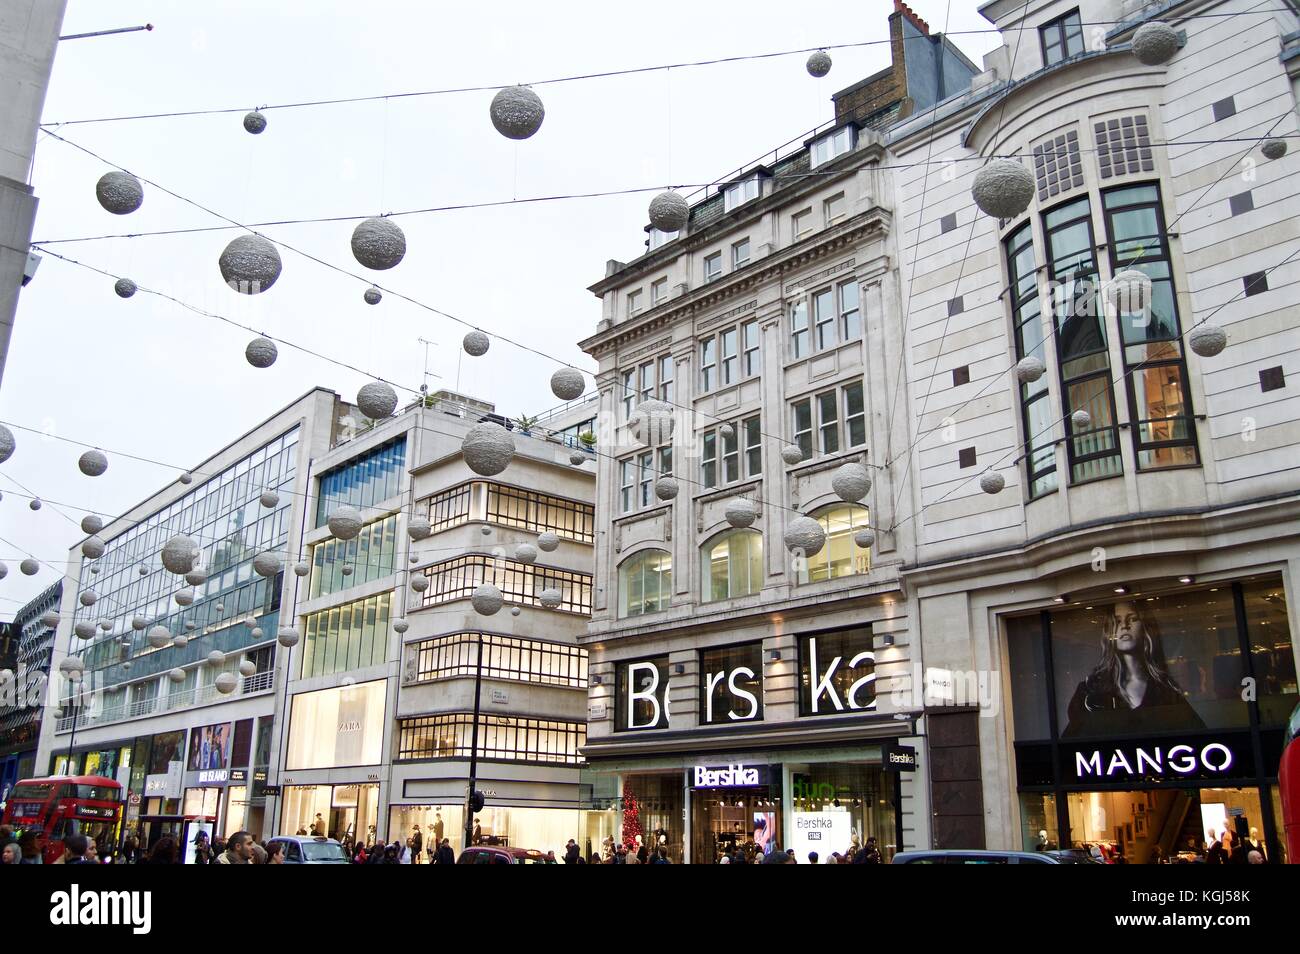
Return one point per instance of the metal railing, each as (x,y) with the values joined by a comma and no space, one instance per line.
(172,701)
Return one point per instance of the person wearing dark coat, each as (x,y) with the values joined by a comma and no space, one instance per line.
(445,855)
(571,854)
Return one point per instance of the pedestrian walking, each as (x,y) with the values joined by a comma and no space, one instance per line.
(163,852)
(239,850)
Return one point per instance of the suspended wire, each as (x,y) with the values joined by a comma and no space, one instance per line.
(607,74)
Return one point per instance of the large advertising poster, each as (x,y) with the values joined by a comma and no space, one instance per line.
(337,727)
(1145,665)
(209,747)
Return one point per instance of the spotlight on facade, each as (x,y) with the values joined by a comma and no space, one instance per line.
(1121,589)
(1187,579)
(1063,598)
(774,655)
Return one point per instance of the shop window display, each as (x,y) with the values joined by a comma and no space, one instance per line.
(653,809)
(845,803)
(506,826)
(342,812)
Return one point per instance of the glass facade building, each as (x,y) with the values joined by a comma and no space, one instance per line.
(363,481)
(371,556)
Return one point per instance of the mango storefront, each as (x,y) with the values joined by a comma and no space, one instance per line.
(1147,725)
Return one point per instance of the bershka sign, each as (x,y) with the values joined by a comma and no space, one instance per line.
(899,758)
(75,907)
(1180,759)
(838,670)
(730,776)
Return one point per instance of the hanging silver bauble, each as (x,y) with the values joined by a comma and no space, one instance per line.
(1080,421)
(525,553)
(256,633)
(819,64)
(142,570)
(851,482)
(1129,291)
(176,675)
(84,630)
(250,264)
(261,353)
(791,454)
(547,541)
(124,287)
(486,599)
(488,448)
(71,664)
(865,538)
(400,626)
(485,530)
(415,558)
(216,657)
(419,583)
(268,498)
(7,443)
(268,563)
(1029,369)
(287,637)
(178,553)
(247,667)
(34,504)
(196,577)
(1003,188)
(666,488)
(93,463)
(184,597)
(92,548)
(4,569)
(567,384)
(138,622)
(126,666)
(551,597)
(255,123)
(376,400)
(991,482)
(187,477)
(652,422)
(346,570)
(106,625)
(119,192)
(301,569)
(221,607)
(514,611)
(577,458)
(1274,148)
(378,243)
(517,112)
(1207,340)
(727,431)
(740,512)
(226,683)
(50,618)
(804,535)
(1154,43)
(372,295)
(91,524)
(476,343)
(181,641)
(94,570)
(88,597)
(191,626)
(29,567)
(669,211)
(159,637)
(417,528)
(345,523)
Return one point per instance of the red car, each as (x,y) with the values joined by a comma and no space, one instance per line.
(492,855)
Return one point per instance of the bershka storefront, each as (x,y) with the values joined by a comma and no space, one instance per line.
(1149,724)
(752,766)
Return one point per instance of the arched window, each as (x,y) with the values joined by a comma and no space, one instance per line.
(645,582)
(732,565)
(841,556)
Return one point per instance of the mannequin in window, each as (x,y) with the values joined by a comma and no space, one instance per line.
(1130,689)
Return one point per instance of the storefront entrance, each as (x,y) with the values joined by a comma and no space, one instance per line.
(735,820)
(346,813)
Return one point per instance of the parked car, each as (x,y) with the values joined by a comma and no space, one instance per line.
(962,856)
(307,850)
(492,855)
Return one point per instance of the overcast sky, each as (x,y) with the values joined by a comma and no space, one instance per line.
(147,377)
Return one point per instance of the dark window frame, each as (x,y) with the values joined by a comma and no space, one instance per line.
(1057,32)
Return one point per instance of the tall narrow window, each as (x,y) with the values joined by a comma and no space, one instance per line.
(833,209)
(1035,406)
(647,390)
(1160,404)
(732,565)
(740,253)
(749,332)
(803,426)
(799,329)
(753,447)
(1081,341)
(633,302)
(730,456)
(855,416)
(709,460)
(659,291)
(628,395)
(824,319)
(713,266)
(850,315)
(627,484)
(1062,38)
(645,477)
(828,422)
(727,347)
(708,364)
(666,378)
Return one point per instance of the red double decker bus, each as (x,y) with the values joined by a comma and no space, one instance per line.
(61,805)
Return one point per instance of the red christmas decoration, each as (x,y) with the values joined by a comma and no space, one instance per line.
(631,820)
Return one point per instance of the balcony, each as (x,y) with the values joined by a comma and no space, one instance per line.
(255,684)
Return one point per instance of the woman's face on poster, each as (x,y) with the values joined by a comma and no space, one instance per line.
(1129,632)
